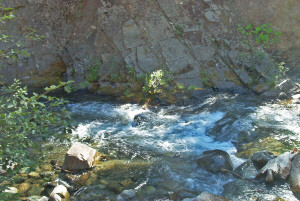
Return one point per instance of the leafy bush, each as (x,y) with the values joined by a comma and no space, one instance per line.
(263,35)
(158,81)
(93,71)
(25,120)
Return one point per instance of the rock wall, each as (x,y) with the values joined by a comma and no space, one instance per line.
(197,40)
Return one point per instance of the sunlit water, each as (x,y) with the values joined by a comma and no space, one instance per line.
(173,137)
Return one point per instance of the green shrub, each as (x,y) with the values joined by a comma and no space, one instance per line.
(179,30)
(158,81)
(192,87)
(93,72)
(263,35)
(25,121)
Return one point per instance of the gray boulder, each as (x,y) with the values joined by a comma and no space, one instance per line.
(278,167)
(215,160)
(79,157)
(294,179)
(261,158)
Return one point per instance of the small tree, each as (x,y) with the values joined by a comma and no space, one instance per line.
(25,120)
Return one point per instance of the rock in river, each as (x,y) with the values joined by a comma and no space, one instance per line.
(215,160)
(59,192)
(205,196)
(278,167)
(294,179)
(79,157)
(261,158)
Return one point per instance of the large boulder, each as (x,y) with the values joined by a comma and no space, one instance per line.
(294,179)
(261,158)
(215,160)
(278,167)
(79,157)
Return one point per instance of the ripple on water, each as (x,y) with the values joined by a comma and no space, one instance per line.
(176,136)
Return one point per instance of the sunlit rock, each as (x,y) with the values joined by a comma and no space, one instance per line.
(79,157)
(294,179)
(58,193)
(278,167)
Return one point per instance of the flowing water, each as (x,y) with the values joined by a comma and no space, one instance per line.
(157,155)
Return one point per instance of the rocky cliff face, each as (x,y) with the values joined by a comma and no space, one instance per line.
(197,40)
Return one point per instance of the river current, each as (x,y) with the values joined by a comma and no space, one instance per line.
(171,138)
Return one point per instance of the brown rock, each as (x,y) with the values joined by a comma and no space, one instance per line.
(79,157)
(23,187)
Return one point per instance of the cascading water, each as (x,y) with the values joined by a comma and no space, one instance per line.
(170,139)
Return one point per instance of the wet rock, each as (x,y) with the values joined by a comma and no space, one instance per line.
(79,157)
(205,196)
(183,194)
(278,167)
(47,173)
(34,175)
(23,187)
(35,190)
(58,193)
(268,143)
(115,187)
(91,193)
(46,167)
(247,170)
(44,198)
(215,160)
(294,179)
(24,170)
(235,189)
(11,190)
(142,118)
(18,179)
(2,171)
(261,158)
(127,195)
(256,191)
(34,198)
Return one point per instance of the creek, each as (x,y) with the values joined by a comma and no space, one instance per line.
(157,154)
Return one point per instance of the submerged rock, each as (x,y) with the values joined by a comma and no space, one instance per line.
(79,157)
(215,160)
(179,195)
(278,167)
(44,198)
(247,170)
(34,175)
(143,118)
(205,196)
(23,187)
(127,195)
(294,179)
(261,158)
